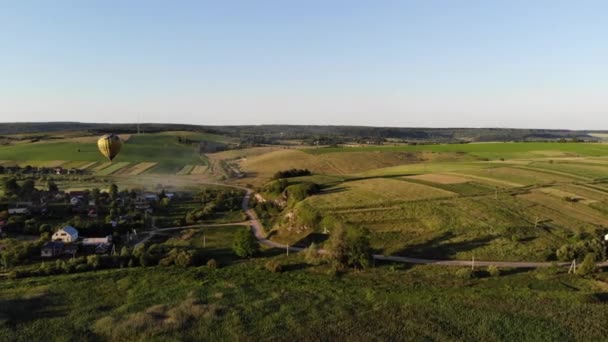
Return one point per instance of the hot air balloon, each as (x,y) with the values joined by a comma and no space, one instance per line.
(109,145)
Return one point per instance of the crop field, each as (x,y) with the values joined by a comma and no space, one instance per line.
(136,169)
(590,171)
(489,150)
(112,168)
(185,170)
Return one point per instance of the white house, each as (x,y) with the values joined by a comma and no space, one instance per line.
(67,234)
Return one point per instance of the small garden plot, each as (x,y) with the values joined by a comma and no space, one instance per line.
(519,176)
(185,170)
(585,170)
(573,210)
(101,166)
(199,170)
(140,168)
(87,165)
(565,195)
(375,192)
(440,178)
(111,169)
(54,163)
(74,164)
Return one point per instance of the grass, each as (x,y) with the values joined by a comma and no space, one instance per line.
(243,301)
(374,192)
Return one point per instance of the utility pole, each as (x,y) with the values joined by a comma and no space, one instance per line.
(536,222)
(473,263)
(287,250)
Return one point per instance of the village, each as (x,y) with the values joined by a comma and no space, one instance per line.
(74,223)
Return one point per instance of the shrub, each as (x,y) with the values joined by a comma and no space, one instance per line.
(213,264)
(184,259)
(465,273)
(311,254)
(587,266)
(274,266)
(493,271)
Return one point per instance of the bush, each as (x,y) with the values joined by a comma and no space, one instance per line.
(587,266)
(213,264)
(465,273)
(274,266)
(245,244)
(311,254)
(493,271)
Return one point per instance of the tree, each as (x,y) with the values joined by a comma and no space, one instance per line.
(587,266)
(11,187)
(350,247)
(124,251)
(51,186)
(27,188)
(338,246)
(359,250)
(113,191)
(245,244)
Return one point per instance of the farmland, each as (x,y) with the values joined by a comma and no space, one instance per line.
(496,201)
(486,201)
(162,149)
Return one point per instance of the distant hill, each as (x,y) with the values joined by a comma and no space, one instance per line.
(327,134)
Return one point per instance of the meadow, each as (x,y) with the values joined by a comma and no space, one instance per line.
(243,301)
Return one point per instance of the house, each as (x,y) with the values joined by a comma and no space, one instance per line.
(51,249)
(150,197)
(92,213)
(66,234)
(18,211)
(97,240)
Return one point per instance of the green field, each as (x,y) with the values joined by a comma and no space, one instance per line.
(489,150)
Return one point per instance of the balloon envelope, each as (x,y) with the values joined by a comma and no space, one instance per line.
(109,145)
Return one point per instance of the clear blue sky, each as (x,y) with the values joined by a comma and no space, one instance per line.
(433,63)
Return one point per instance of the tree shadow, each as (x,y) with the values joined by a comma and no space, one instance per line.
(23,310)
(334,190)
(295,267)
(440,248)
(316,238)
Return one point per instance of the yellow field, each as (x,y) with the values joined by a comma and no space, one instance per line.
(199,170)
(101,166)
